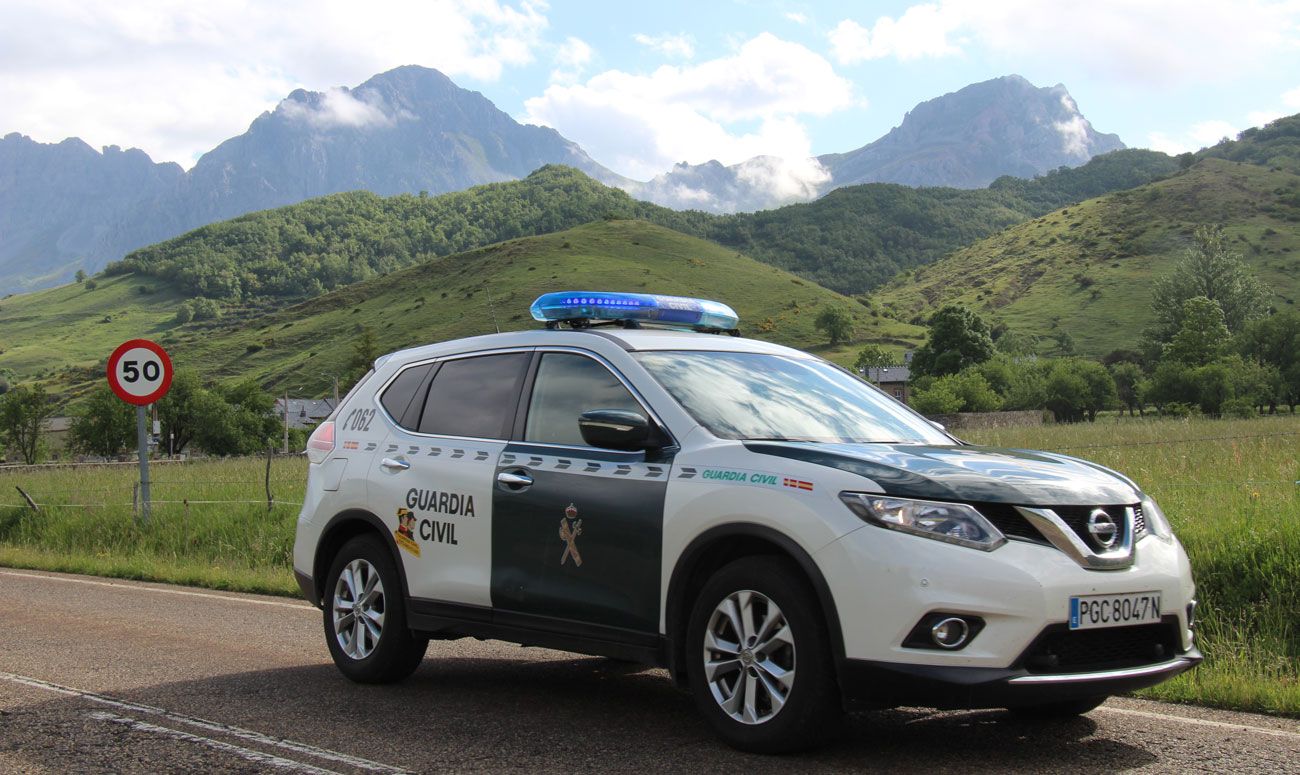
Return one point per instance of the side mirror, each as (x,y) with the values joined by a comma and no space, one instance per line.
(939,425)
(614,429)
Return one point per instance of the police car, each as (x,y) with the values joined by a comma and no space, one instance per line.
(787,540)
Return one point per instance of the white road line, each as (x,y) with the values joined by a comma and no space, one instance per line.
(256,757)
(1203,722)
(121,585)
(208,726)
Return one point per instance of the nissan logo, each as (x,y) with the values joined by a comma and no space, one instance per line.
(1102,528)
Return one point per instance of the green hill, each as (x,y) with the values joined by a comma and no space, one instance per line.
(851,240)
(298,347)
(857,238)
(1086,270)
(303,250)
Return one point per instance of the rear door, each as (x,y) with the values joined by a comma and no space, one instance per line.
(577,531)
(432,478)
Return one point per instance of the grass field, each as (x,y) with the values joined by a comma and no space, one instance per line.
(1229,487)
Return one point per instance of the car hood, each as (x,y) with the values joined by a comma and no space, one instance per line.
(967,473)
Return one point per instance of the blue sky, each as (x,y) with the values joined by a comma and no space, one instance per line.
(643,86)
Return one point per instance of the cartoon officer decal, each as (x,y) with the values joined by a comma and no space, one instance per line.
(404,535)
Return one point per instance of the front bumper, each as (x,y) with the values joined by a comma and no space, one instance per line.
(869,684)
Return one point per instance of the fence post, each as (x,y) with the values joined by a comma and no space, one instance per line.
(270,502)
(27,498)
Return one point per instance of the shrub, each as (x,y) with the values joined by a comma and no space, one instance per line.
(1240,408)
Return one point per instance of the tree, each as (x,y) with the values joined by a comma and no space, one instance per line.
(1202,337)
(104,425)
(178,411)
(1078,389)
(958,338)
(1173,382)
(1211,270)
(80,276)
(235,419)
(873,356)
(364,352)
(836,323)
(939,398)
(1128,382)
(23,412)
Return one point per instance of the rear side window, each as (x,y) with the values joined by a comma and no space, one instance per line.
(399,397)
(475,396)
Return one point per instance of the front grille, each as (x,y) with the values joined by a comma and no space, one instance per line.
(1076,517)
(1062,650)
(1009,521)
(1139,522)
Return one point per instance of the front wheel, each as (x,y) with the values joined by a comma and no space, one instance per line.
(758,658)
(365,620)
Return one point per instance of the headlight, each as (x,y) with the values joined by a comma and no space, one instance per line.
(954,523)
(1157,522)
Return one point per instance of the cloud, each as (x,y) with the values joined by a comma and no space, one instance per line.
(922,31)
(1292,99)
(339,107)
(571,59)
(730,109)
(1196,137)
(672,46)
(796,17)
(175,77)
(785,179)
(1154,42)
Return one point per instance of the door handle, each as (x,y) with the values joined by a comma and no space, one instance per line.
(394,465)
(514,480)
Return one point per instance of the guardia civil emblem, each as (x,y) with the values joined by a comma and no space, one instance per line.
(570,529)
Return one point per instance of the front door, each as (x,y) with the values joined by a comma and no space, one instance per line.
(577,532)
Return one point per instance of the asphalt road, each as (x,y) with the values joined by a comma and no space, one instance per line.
(111,676)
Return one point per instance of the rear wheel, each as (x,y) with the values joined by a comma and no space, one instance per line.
(758,658)
(365,619)
(1059,710)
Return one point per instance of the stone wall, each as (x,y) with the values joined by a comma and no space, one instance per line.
(992,419)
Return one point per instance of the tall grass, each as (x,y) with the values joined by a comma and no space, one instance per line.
(210,522)
(1228,487)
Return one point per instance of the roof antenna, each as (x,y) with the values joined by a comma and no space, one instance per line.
(492,309)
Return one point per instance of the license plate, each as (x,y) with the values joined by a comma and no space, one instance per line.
(1089,612)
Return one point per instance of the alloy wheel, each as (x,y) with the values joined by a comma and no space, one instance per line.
(749,657)
(358,608)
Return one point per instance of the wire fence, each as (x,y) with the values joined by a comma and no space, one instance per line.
(39,498)
(1162,442)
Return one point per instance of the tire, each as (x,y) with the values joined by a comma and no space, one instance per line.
(379,648)
(1059,710)
(738,687)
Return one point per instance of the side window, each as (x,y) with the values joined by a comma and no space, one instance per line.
(475,396)
(399,397)
(566,386)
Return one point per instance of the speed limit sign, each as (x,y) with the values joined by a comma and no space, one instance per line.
(139,372)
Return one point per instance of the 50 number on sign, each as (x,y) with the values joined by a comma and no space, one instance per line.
(139,372)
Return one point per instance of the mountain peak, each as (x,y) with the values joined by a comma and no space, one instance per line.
(971,137)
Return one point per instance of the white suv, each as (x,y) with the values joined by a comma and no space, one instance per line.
(787,540)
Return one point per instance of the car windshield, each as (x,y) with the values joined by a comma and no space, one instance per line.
(758,396)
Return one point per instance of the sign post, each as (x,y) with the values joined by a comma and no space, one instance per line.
(140,372)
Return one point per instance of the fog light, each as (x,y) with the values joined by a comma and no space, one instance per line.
(950,633)
(1191,615)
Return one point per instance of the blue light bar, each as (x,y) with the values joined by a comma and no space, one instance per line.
(641,307)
